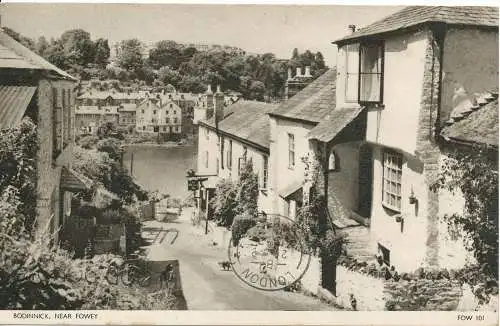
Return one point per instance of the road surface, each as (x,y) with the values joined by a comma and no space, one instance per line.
(205,285)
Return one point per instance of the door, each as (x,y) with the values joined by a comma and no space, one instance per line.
(365,180)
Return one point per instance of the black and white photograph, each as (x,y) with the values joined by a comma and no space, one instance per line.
(248,157)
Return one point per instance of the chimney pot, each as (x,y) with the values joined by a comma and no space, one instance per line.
(352,28)
(308,72)
(289,73)
(298,72)
(209,89)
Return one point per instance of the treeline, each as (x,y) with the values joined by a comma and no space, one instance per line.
(168,63)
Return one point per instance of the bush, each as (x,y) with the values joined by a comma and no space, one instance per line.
(241,224)
(88,142)
(224,203)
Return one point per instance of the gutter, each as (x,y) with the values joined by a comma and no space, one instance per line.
(242,140)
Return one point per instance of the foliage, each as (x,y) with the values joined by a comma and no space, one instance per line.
(18,148)
(241,224)
(224,203)
(129,54)
(247,191)
(312,220)
(474,173)
(88,142)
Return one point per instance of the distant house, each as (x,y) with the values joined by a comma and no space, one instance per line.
(157,115)
(241,135)
(127,115)
(399,82)
(290,124)
(32,87)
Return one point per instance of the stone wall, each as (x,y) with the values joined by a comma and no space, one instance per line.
(367,290)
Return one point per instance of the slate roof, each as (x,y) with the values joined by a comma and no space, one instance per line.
(14,101)
(247,120)
(333,123)
(417,15)
(313,102)
(476,123)
(15,55)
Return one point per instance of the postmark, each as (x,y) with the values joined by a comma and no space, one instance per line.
(269,255)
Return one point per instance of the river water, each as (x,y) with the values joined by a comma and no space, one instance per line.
(162,168)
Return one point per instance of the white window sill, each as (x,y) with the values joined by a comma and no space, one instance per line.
(391,208)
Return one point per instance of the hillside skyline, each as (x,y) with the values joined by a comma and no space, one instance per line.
(292,26)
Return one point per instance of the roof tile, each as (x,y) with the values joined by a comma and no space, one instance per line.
(416,15)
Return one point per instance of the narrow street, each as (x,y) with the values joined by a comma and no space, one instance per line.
(205,285)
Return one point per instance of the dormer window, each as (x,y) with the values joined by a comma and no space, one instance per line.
(365,72)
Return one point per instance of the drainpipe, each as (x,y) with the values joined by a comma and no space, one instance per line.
(439,32)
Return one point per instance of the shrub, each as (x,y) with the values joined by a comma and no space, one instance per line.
(88,142)
(248,191)
(224,203)
(241,224)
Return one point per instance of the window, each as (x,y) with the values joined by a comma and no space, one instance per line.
(142,111)
(57,121)
(154,111)
(265,171)
(175,120)
(230,155)
(333,161)
(164,128)
(167,120)
(371,67)
(352,73)
(206,159)
(171,105)
(391,186)
(221,152)
(206,134)
(364,72)
(291,151)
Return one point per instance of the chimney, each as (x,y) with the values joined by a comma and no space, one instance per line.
(299,72)
(210,102)
(308,72)
(352,29)
(219,105)
(289,73)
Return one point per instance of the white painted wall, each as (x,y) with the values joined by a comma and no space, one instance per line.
(407,248)
(396,124)
(282,175)
(207,144)
(257,157)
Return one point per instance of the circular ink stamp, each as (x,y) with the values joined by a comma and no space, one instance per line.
(269,254)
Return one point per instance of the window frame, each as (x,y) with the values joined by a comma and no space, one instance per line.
(359,73)
(229,162)
(291,151)
(388,179)
(265,171)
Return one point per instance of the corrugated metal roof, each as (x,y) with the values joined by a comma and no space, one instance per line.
(13,103)
(416,15)
(247,120)
(333,124)
(313,102)
(15,55)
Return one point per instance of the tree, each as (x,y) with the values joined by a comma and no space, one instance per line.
(169,76)
(473,172)
(77,46)
(295,54)
(102,52)
(224,203)
(166,53)
(129,54)
(41,46)
(248,191)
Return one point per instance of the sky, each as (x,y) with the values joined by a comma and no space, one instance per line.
(255,28)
